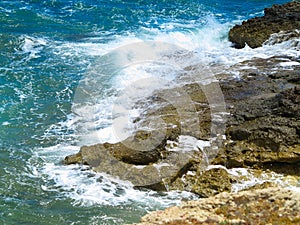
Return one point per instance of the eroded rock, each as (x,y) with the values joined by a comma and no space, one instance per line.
(212,182)
(256,31)
(264,124)
(146,158)
(157,175)
(262,131)
(271,205)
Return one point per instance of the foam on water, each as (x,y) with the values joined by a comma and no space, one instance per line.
(32,46)
(248,178)
(79,183)
(46,47)
(88,188)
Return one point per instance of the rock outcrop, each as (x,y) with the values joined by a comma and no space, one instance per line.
(154,169)
(271,205)
(165,145)
(279,18)
(265,121)
(262,129)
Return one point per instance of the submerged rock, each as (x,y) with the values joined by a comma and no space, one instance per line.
(271,205)
(256,31)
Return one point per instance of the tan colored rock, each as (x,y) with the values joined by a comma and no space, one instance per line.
(212,182)
(263,129)
(158,175)
(204,183)
(272,205)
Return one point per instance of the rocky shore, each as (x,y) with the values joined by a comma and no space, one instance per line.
(263,206)
(258,127)
(281,19)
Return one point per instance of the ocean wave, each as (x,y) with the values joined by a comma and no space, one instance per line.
(41,67)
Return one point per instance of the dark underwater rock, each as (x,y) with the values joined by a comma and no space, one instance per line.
(278,18)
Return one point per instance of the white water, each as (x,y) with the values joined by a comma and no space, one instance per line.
(79,183)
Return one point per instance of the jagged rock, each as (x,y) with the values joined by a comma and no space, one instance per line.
(212,182)
(262,130)
(290,35)
(116,159)
(143,158)
(142,148)
(283,168)
(180,110)
(203,182)
(264,124)
(256,31)
(271,205)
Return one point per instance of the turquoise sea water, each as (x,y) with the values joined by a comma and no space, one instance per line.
(46,48)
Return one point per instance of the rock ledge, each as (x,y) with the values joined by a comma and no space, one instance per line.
(256,31)
(263,206)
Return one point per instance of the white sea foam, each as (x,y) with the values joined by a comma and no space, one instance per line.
(87,188)
(248,178)
(289,64)
(32,45)
(93,121)
(184,144)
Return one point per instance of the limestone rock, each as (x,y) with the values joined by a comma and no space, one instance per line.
(145,158)
(203,182)
(212,182)
(256,31)
(263,128)
(117,160)
(271,205)
(262,131)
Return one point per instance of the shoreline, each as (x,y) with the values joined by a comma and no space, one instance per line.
(262,128)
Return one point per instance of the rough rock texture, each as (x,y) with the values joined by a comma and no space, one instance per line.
(203,182)
(265,124)
(256,31)
(182,110)
(212,182)
(271,205)
(138,167)
(165,150)
(262,129)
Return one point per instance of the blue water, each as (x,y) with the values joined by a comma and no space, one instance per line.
(46,48)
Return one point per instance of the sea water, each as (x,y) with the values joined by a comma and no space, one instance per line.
(47,50)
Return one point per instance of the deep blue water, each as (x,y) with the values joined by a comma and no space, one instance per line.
(46,48)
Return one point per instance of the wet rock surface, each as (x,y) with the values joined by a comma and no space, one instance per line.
(113,159)
(164,146)
(279,18)
(264,124)
(211,182)
(271,205)
(179,131)
(262,131)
